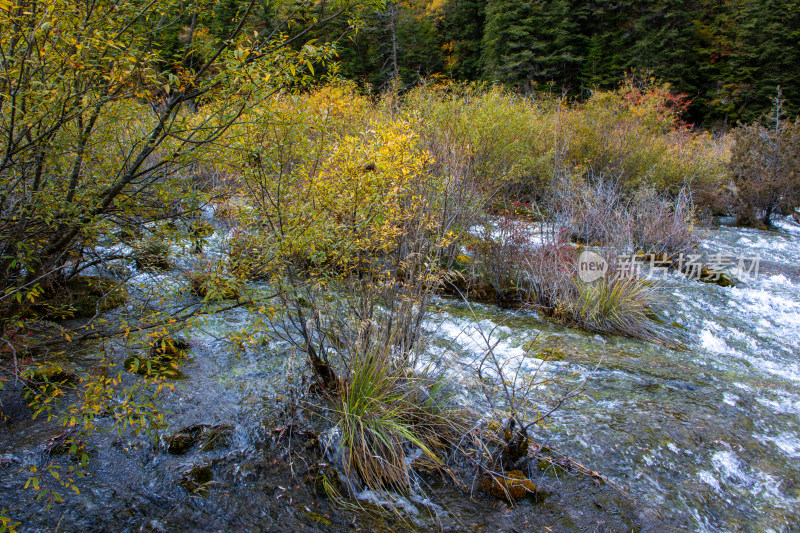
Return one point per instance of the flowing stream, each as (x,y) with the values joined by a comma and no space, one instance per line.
(701,439)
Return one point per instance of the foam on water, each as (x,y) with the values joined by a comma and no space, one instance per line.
(743,343)
(788,443)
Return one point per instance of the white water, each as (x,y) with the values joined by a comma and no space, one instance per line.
(710,435)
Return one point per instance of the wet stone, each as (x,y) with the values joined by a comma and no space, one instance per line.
(208,437)
(197,479)
(514,485)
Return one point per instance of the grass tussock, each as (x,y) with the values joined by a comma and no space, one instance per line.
(612,305)
(383,412)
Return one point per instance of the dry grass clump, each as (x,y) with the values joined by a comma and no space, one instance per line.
(591,211)
(551,270)
(517,146)
(382,412)
(617,306)
(661,225)
(614,304)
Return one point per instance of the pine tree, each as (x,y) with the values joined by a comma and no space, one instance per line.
(668,43)
(754,47)
(461,27)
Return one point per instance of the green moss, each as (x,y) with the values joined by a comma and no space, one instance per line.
(463,259)
(316,518)
(80,297)
(153,256)
(552,354)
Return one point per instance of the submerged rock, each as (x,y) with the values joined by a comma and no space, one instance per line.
(212,287)
(208,437)
(182,442)
(153,256)
(513,485)
(718,278)
(215,437)
(169,348)
(163,358)
(80,297)
(197,479)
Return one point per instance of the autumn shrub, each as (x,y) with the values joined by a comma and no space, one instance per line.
(500,256)
(635,134)
(550,273)
(599,213)
(499,138)
(348,198)
(152,256)
(765,163)
(591,211)
(662,225)
(516,146)
(249,256)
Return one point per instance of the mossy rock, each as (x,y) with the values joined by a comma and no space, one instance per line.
(552,468)
(169,348)
(153,256)
(50,373)
(463,260)
(201,229)
(117,271)
(185,439)
(316,518)
(181,443)
(209,286)
(80,297)
(208,437)
(216,437)
(146,366)
(721,279)
(49,380)
(197,479)
(90,294)
(551,354)
(513,486)
(128,235)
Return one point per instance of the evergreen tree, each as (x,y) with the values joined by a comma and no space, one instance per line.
(753,47)
(461,27)
(668,43)
(609,31)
